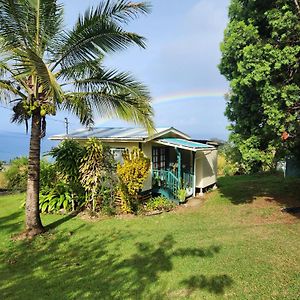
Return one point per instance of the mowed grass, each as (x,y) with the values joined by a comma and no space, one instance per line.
(236,245)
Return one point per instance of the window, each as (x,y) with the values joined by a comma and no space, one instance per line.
(117,153)
(159,157)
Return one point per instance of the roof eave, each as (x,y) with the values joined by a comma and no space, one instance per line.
(120,139)
(169,130)
(194,149)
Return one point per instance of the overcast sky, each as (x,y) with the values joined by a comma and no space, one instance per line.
(181,58)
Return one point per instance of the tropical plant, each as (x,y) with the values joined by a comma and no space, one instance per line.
(260,58)
(181,194)
(132,174)
(68,155)
(45,67)
(97,168)
(57,198)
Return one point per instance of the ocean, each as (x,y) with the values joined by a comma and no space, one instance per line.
(15,144)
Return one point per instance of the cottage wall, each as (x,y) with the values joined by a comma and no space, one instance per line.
(147,149)
(206,168)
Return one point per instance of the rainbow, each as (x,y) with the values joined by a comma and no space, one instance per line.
(177,97)
(181,96)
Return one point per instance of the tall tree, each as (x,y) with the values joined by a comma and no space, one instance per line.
(45,67)
(260,58)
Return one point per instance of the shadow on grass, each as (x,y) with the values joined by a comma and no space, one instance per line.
(60,221)
(213,284)
(11,223)
(110,266)
(274,188)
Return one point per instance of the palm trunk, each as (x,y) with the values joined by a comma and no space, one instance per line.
(33,221)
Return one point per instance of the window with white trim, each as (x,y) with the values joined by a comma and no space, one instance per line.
(117,153)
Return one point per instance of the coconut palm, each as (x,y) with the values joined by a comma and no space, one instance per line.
(44,68)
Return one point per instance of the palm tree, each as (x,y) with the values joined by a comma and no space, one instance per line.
(45,68)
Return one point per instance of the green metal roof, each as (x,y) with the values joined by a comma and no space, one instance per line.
(185,144)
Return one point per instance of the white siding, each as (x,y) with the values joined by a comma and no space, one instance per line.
(147,149)
(206,168)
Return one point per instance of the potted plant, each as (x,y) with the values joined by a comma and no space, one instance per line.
(181,194)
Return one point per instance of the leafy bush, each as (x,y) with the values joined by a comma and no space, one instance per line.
(229,160)
(97,171)
(60,197)
(107,198)
(48,176)
(132,175)
(160,203)
(68,156)
(3,181)
(16,174)
(1,165)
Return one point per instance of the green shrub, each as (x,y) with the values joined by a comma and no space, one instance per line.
(59,197)
(97,174)
(16,174)
(68,155)
(48,176)
(160,203)
(107,205)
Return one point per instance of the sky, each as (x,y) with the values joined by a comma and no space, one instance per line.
(179,66)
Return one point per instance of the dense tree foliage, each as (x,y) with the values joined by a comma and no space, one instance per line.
(260,58)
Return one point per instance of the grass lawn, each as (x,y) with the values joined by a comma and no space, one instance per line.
(237,245)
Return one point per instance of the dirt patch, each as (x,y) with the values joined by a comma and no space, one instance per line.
(92,216)
(193,204)
(262,202)
(266,210)
(125,216)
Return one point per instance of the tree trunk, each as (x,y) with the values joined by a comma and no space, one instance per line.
(33,221)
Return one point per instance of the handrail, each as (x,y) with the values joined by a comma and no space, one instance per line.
(167,179)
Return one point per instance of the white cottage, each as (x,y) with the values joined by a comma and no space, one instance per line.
(177,160)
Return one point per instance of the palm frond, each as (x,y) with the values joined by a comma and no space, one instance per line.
(33,64)
(113,94)
(77,104)
(80,70)
(131,109)
(15,23)
(112,81)
(48,20)
(121,11)
(93,35)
